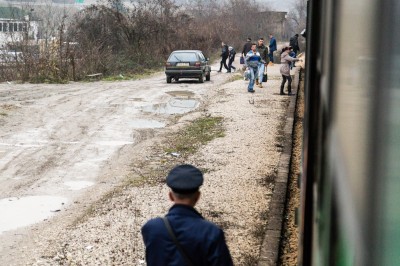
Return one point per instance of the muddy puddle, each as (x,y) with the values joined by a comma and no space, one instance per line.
(181,94)
(28,210)
(182,102)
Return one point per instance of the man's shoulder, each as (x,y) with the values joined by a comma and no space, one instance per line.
(153,223)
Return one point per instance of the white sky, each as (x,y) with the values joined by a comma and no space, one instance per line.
(279,5)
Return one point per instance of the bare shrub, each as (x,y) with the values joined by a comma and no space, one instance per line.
(114,37)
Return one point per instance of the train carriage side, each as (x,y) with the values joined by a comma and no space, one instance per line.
(351,174)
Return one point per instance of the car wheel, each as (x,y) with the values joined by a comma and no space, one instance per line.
(169,79)
(201,79)
(176,79)
(208,76)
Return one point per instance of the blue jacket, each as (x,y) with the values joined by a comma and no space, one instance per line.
(202,240)
(253,59)
(272,45)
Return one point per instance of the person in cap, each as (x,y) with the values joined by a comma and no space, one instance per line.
(183,236)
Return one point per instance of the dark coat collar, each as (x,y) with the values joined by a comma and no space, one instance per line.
(184,210)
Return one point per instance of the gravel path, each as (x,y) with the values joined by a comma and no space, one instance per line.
(238,185)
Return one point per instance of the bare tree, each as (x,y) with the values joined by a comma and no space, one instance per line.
(297,17)
(115,37)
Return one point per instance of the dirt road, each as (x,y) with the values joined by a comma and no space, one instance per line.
(63,146)
(55,137)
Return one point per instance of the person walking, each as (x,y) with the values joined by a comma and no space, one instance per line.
(263,50)
(231,58)
(272,49)
(286,59)
(294,43)
(291,54)
(183,236)
(253,59)
(246,47)
(224,56)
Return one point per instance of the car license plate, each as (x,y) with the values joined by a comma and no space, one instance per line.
(182,64)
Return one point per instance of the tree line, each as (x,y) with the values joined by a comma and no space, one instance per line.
(115,37)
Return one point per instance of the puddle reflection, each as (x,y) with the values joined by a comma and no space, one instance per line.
(181,94)
(174,106)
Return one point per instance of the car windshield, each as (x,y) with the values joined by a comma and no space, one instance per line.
(183,57)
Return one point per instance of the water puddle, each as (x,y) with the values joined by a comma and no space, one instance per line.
(20,212)
(143,123)
(136,99)
(78,185)
(181,94)
(174,106)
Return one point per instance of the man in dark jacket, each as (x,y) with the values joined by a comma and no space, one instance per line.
(224,56)
(200,242)
(246,47)
(263,50)
(272,48)
(294,43)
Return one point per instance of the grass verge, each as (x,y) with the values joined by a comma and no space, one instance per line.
(132,76)
(198,133)
(182,144)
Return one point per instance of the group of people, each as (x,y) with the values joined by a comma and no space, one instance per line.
(257,56)
(256,61)
(227,52)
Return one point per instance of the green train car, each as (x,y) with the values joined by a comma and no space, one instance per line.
(350,183)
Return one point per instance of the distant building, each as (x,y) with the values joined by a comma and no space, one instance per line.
(271,22)
(15,30)
(16,26)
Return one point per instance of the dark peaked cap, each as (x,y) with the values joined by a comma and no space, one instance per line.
(185,179)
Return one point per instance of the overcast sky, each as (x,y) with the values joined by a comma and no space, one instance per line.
(279,5)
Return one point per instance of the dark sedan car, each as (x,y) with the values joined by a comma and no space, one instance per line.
(187,64)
